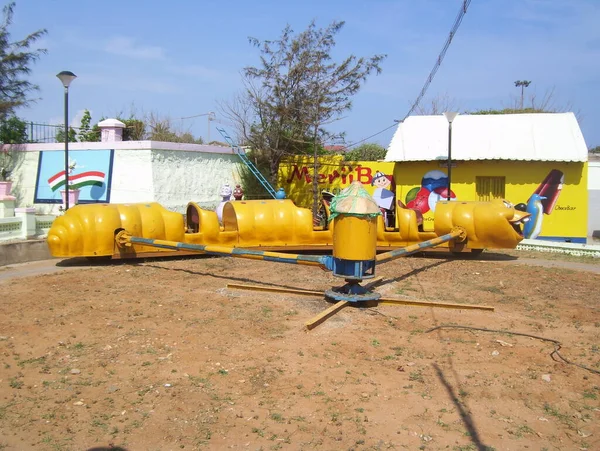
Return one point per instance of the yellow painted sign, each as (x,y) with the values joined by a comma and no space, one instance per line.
(296,177)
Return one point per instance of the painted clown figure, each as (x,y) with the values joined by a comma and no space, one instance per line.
(383,195)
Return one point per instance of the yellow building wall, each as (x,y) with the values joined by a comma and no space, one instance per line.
(295,176)
(567,219)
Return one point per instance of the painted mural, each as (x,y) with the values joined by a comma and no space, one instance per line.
(89,172)
(554,193)
(542,202)
(295,177)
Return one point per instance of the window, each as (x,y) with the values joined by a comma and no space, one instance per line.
(489,188)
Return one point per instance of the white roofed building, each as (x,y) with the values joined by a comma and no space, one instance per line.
(511,156)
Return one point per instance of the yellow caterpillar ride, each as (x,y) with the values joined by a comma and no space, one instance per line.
(256,229)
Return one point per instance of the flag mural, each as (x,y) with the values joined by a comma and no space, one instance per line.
(77,181)
(90,172)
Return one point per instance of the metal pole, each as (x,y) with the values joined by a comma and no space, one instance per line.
(449,158)
(66,148)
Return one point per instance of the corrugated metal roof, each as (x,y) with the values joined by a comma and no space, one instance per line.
(526,137)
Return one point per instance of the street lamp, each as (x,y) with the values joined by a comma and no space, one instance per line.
(66,78)
(449,117)
(522,84)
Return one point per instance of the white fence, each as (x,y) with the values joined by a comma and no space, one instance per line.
(25,224)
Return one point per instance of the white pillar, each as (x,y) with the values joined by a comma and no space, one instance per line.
(111,130)
(27,215)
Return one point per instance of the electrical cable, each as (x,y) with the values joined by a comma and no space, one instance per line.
(438,63)
(554,354)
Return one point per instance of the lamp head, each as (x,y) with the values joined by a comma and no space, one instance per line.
(450,116)
(66,77)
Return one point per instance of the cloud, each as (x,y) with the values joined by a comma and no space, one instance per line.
(195,70)
(126,46)
(129,83)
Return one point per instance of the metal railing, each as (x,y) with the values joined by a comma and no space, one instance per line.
(45,133)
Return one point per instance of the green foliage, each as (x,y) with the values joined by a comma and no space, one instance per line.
(366,152)
(16,59)
(595,149)
(86,133)
(253,189)
(13,131)
(60,135)
(135,129)
(511,111)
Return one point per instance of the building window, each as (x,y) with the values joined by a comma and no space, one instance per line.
(489,188)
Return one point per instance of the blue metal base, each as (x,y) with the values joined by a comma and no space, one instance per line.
(352,292)
(353,269)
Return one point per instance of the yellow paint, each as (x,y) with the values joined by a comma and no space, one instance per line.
(487,224)
(568,218)
(296,174)
(354,238)
(89,230)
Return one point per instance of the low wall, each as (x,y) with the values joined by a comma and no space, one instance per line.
(142,171)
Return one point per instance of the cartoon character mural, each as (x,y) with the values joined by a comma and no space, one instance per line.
(422,199)
(542,202)
(384,196)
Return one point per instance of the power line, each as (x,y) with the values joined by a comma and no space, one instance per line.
(438,63)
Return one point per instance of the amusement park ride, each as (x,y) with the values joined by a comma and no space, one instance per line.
(272,230)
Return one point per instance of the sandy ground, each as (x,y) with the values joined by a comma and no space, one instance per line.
(161,355)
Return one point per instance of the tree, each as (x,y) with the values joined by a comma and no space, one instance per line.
(86,132)
(594,149)
(60,135)
(438,105)
(366,152)
(16,59)
(295,92)
(12,131)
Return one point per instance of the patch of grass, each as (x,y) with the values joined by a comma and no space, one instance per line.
(22,363)
(14,383)
(277,417)
(416,376)
(375,342)
(588,394)
(555,412)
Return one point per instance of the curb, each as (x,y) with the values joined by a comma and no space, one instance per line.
(24,251)
(578,250)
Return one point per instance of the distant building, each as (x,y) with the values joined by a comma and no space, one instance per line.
(511,156)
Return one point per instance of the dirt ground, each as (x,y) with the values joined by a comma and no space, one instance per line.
(161,355)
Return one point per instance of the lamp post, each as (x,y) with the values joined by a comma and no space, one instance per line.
(449,117)
(522,84)
(66,78)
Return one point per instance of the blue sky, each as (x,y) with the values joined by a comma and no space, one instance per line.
(184,57)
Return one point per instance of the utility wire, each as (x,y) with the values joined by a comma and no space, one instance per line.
(436,66)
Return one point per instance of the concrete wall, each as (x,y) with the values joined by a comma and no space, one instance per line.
(594,196)
(143,171)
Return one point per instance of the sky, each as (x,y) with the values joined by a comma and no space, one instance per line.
(185,57)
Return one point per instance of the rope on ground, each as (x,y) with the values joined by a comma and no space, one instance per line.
(556,356)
